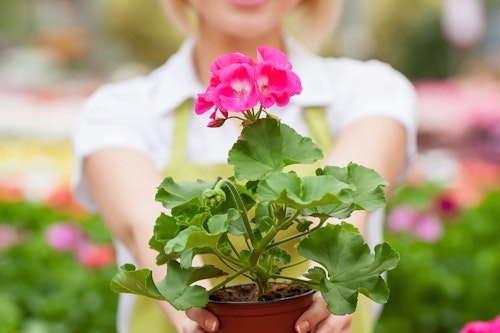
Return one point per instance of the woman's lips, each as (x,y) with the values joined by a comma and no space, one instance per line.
(247,3)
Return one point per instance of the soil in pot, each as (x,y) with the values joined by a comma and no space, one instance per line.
(239,312)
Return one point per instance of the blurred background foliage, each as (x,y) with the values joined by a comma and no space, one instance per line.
(439,286)
(408,35)
(45,289)
(142,28)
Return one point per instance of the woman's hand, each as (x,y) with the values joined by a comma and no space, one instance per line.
(318,319)
(199,321)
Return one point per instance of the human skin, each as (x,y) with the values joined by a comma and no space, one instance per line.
(123,181)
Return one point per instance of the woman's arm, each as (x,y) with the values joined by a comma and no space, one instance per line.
(376,142)
(122,183)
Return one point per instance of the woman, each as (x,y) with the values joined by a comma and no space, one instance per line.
(130,135)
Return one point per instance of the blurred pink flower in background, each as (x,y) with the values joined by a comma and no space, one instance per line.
(9,236)
(474,179)
(449,108)
(402,218)
(96,255)
(492,326)
(65,236)
(405,218)
(10,191)
(428,228)
(69,237)
(447,206)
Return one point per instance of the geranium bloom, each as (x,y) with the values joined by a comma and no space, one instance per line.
(236,91)
(275,80)
(205,101)
(492,326)
(275,86)
(227,60)
(238,84)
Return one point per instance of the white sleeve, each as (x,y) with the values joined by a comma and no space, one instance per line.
(374,88)
(117,115)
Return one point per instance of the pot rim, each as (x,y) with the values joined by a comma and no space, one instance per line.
(244,303)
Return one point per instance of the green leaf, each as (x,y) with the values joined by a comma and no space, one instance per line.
(191,237)
(164,230)
(280,254)
(301,193)
(351,267)
(197,240)
(132,281)
(172,194)
(219,224)
(268,145)
(369,185)
(176,287)
(165,227)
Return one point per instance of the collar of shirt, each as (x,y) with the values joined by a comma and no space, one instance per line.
(177,80)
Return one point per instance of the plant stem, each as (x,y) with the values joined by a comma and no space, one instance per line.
(226,281)
(302,234)
(223,258)
(296,280)
(241,207)
(294,264)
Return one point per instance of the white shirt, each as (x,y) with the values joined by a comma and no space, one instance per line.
(139,113)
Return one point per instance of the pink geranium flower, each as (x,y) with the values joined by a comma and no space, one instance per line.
(236,91)
(227,60)
(205,101)
(492,326)
(238,84)
(275,80)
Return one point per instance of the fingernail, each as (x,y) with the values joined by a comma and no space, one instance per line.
(303,327)
(210,324)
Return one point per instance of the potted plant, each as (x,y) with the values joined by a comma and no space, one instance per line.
(251,222)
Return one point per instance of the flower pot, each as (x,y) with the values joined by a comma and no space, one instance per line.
(276,316)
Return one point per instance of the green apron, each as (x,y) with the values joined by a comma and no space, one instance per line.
(147,316)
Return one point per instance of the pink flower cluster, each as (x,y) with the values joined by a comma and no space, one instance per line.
(9,236)
(492,326)
(69,237)
(238,83)
(405,218)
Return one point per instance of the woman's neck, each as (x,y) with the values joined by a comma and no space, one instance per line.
(209,46)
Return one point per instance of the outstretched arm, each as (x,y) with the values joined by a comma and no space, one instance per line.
(122,182)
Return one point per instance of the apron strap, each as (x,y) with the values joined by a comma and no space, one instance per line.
(181,125)
(318,127)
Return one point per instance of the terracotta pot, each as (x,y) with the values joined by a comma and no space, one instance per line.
(277,316)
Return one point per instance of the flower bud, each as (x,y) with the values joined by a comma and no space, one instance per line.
(216,122)
(213,197)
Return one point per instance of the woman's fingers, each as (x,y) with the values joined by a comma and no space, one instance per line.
(334,324)
(204,318)
(318,319)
